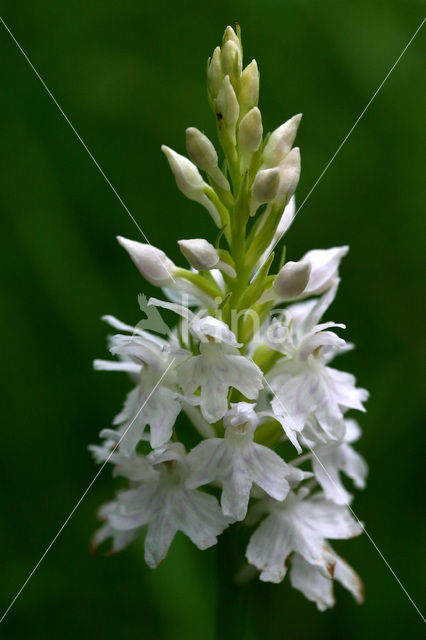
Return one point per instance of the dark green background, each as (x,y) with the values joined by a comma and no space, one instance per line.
(130,76)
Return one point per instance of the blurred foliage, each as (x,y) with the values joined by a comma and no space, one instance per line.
(130,76)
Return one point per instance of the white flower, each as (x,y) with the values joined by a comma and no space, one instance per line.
(238,462)
(150,404)
(331,458)
(302,525)
(154,401)
(218,367)
(302,382)
(319,589)
(166,506)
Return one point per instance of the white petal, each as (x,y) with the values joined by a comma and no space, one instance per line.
(120,539)
(325,264)
(160,534)
(271,473)
(160,413)
(319,340)
(136,507)
(354,465)
(122,326)
(349,579)
(328,519)
(236,489)
(311,582)
(326,468)
(130,407)
(200,518)
(245,376)
(345,393)
(180,309)
(206,461)
(110,365)
(269,547)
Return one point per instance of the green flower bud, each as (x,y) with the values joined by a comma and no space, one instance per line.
(289,170)
(265,186)
(200,149)
(249,88)
(231,61)
(292,280)
(200,254)
(280,142)
(214,73)
(249,136)
(227,108)
(152,263)
(230,36)
(202,153)
(190,182)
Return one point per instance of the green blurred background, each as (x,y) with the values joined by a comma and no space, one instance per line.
(130,76)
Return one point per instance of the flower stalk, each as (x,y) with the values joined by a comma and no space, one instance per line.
(248,363)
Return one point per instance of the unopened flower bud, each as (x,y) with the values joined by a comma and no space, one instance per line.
(226,103)
(265,186)
(203,154)
(189,181)
(289,176)
(153,263)
(200,254)
(230,36)
(249,87)
(250,131)
(280,142)
(214,73)
(292,280)
(231,61)
(187,176)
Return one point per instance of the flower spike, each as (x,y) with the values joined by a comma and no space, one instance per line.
(245,371)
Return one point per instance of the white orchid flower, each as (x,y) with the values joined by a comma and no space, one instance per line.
(166,505)
(300,525)
(238,462)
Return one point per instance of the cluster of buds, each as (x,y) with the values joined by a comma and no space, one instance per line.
(246,370)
